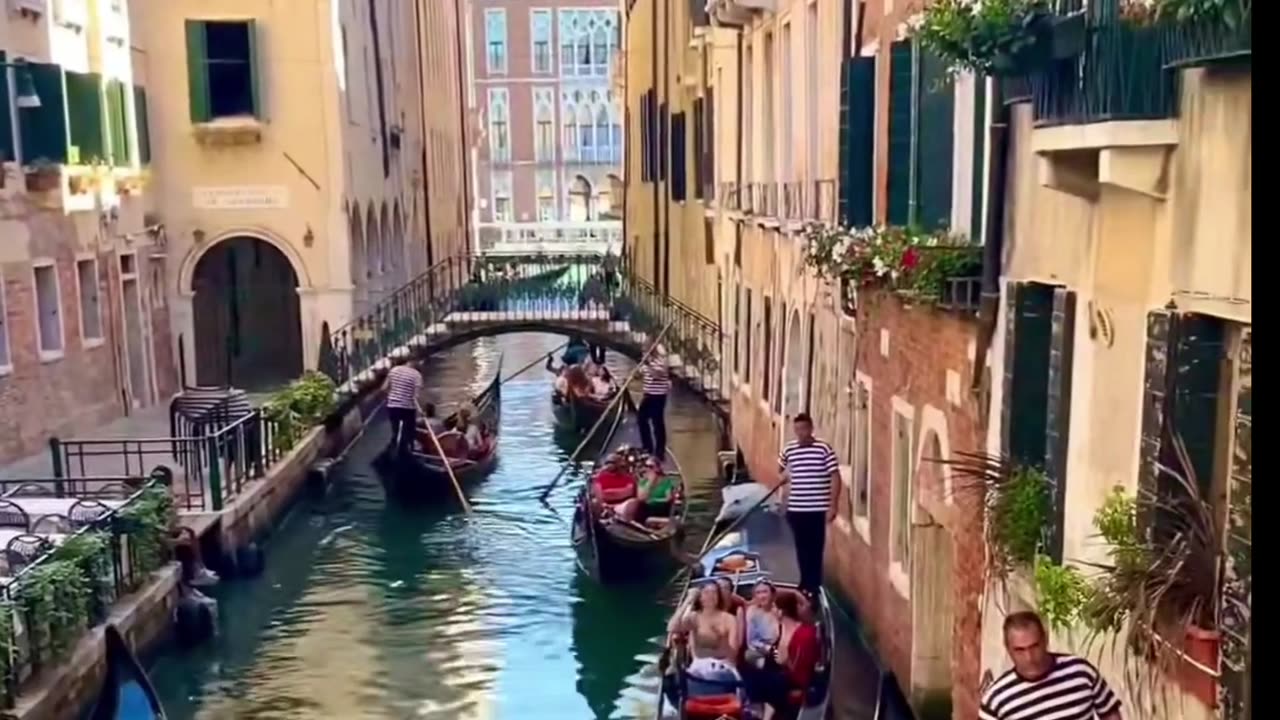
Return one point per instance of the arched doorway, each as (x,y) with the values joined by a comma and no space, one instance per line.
(579,200)
(248,325)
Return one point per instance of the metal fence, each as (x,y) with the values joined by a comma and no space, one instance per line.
(215,466)
(44,613)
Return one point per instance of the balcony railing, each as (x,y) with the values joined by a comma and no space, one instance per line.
(808,200)
(730,195)
(558,238)
(1121,75)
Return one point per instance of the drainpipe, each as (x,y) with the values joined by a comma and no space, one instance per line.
(422,116)
(993,240)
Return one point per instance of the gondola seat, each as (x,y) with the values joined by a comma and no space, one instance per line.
(713,707)
(452,442)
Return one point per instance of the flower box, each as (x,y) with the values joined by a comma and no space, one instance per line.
(43,180)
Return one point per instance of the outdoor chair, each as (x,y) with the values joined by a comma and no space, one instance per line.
(32,490)
(13,516)
(86,512)
(52,524)
(23,550)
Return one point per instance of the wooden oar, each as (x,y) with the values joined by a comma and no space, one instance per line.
(448,466)
(709,544)
(622,390)
(528,367)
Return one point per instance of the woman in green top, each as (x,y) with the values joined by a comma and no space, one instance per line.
(650,487)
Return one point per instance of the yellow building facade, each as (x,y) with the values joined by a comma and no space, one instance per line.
(312,162)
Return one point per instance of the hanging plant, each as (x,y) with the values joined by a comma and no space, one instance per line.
(1018,502)
(906,260)
(1062,591)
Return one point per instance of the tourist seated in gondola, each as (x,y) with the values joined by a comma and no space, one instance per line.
(475,437)
(714,641)
(782,678)
(761,626)
(614,483)
(601,388)
(655,491)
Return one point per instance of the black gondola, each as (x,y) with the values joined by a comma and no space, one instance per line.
(422,475)
(761,547)
(579,412)
(616,549)
(126,692)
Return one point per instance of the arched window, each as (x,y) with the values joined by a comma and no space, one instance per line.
(586,137)
(606,152)
(580,200)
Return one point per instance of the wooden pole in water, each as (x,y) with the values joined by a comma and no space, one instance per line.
(448,466)
(622,389)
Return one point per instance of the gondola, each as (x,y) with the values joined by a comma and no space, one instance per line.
(421,475)
(761,547)
(126,692)
(614,549)
(579,412)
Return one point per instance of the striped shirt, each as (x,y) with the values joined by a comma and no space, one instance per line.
(403,384)
(810,467)
(1072,690)
(657,378)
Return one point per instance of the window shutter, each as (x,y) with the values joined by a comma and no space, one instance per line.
(255,79)
(664,132)
(901,89)
(198,72)
(6,124)
(934,158)
(698,124)
(1200,349)
(86,118)
(709,143)
(679,176)
(845,143)
(144,124)
(976,219)
(858,157)
(1058,417)
(118,122)
(44,129)
(1028,341)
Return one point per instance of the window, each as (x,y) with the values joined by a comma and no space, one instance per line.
(813,41)
(857,141)
(85,126)
(860,500)
(587,40)
(144,124)
(699,128)
(6,361)
(346,77)
(605,151)
(770,136)
(903,472)
(501,208)
(501,186)
(90,307)
(546,208)
(495,37)
(678,176)
(785,92)
(222,70)
(118,123)
(737,332)
(544,139)
(48,312)
(499,138)
(540,23)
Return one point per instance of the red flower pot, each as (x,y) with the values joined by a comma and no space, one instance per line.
(1201,648)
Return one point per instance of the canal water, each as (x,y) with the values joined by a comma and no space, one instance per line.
(366,610)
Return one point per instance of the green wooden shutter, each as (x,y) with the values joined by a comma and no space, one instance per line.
(144,124)
(862,146)
(85,119)
(934,156)
(44,129)
(6,123)
(901,89)
(118,124)
(197,72)
(845,143)
(255,81)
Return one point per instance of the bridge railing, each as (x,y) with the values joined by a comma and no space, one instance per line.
(697,340)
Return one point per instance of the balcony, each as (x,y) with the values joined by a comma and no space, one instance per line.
(737,12)
(582,238)
(1107,116)
(808,201)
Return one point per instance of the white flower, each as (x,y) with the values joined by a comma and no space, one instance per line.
(879,266)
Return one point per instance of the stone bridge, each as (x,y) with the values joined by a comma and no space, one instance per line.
(466,297)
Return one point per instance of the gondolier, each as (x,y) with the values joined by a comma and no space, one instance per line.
(810,465)
(403,385)
(653,407)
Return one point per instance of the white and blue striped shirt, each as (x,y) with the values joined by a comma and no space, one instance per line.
(810,467)
(657,378)
(403,385)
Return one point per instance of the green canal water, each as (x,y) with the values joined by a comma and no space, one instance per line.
(366,610)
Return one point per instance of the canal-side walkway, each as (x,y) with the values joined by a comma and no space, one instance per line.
(150,422)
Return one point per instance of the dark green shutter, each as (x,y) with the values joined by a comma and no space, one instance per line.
(679,178)
(197,72)
(6,123)
(44,129)
(118,124)
(1028,341)
(845,142)
(1058,410)
(934,156)
(901,89)
(255,82)
(859,156)
(1200,348)
(144,124)
(86,119)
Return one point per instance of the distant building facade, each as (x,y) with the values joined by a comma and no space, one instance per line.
(549,140)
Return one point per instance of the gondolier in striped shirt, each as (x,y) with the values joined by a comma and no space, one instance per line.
(653,407)
(1044,684)
(404,383)
(811,467)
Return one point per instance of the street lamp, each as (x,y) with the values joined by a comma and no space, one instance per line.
(26,97)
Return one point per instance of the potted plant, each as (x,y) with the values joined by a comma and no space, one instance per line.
(1158,592)
(43,176)
(1201,32)
(1000,37)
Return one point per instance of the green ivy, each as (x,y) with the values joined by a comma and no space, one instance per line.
(984,38)
(1061,592)
(91,552)
(148,521)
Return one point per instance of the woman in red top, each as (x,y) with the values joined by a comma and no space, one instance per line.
(797,656)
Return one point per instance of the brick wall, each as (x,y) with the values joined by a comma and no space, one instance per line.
(923,345)
(43,398)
